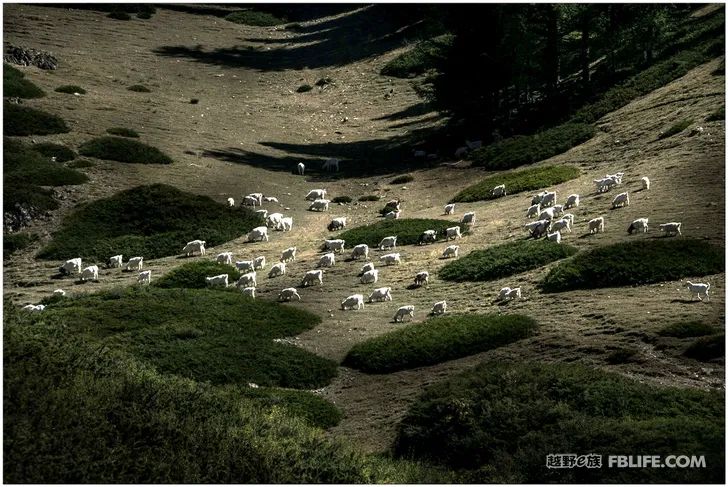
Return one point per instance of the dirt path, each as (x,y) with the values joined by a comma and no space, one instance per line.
(250,123)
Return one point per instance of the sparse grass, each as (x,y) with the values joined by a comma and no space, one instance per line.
(500,421)
(635,263)
(707,348)
(517,182)
(123,132)
(192,275)
(688,329)
(717,116)
(17,241)
(80,164)
(139,89)
(437,340)
(22,120)
(127,223)
(408,231)
(369,197)
(407,178)
(622,356)
(254,17)
(423,56)
(123,150)
(526,149)
(60,152)
(304,88)
(342,199)
(505,260)
(15,84)
(675,129)
(70,89)
(118,15)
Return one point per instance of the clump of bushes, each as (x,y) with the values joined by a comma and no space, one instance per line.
(707,348)
(526,149)
(369,197)
(123,132)
(402,179)
(717,116)
(22,120)
(193,274)
(342,199)
(675,129)
(254,17)
(408,231)
(635,263)
(17,241)
(80,164)
(129,224)
(622,356)
(498,422)
(518,181)
(123,150)
(304,88)
(70,89)
(437,340)
(194,101)
(118,15)
(60,152)
(139,89)
(505,260)
(429,54)
(23,164)
(15,84)
(321,82)
(687,329)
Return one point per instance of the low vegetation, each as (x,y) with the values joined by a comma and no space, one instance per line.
(688,329)
(123,132)
(24,165)
(80,164)
(139,89)
(505,260)
(123,150)
(192,275)
(342,199)
(708,348)
(118,15)
(304,88)
(408,231)
(15,84)
(526,149)
(127,223)
(675,129)
(498,422)
(22,120)
(254,17)
(518,181)
(60,152)
(17,241)
(407,178)
(623,356)
(437,340)
(70,89)
(635,263)
(425,55)
(369,197)
(717,116)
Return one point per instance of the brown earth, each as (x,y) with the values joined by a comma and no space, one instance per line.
(251,127)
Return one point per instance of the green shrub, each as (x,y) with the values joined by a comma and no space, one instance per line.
(369,197)
(500,421)
(254,17)
(408,231)
(635,263)
(304,88)
(687,329)
(315,410)
(622,356)
(192,275)
(123,150)
(139,89)
(15,84)
(70,89)
(429,54)
(123,132)
(17,241)
(24,165)
(505,260)
(194,101)
(21,199)
(518,182)
(152,221)
(22,120)
(118,15)
(717,116)
(80,164)
(60,152)
(675,129)
(402,179)
(527,149)
(707,348)
(341,199)
(437,340)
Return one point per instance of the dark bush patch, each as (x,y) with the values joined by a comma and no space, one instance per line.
(118,15)
(60,152)
(15,84)
(408,231)
(23,165)
(192,275)
(518,181)
(194,101)
(22,120)
(688,329)
(70,89)
(675,129)
(17,241)
(123,132)
(123,150)
(304,88)
(80,164)
(369,197)
(717,116)
(254,17)
(707,348)
(429,54)
(505,260)
(139,89)
(622,356)
(437,340)
(635,263)
(341,199)
(407,178)
(321,82)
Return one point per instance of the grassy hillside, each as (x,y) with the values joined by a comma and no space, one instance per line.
(408,231)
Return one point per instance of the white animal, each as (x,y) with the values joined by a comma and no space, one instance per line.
(392,215)
(273,220)
(439,308)
(249,291)
(245,265)
(428,236)
(263,213)
(285,224)
(90,272)
(249,279)
(388,243)
(499,190)
(301,167)
(319,205)
(570,217)
(312,277)
(538,228)
(258,234)
(396,204)
(370,277)
(145,277)
(381,294)
(337,224)
(250,201)
(224,258)
(422,278)
(361,250)
(353,300)
(366,267)
(390,259)
(258,197)
(270,199)
(116,261)
(316,194)
(288,255)
(563,224)
(71,267)
(554,237)
(622,199)
(672,228)
(59,292)
(278,269)
(34,308)
(461,151)
(698,289)
(468,218)
(513,293)
(645,183)
(135,264)
(231,202)
(504,292)
(404,311)
(571,201)
(335,245)
(476,144)
(331,164)
(194,246)
(450,209)
(549,199)
(637,225)
(596,225)
(533,210)
(547,214)
(327,260)
(605,184)
(452,233)
(535,200)
(558,210)
(451,251)
(220,280)
(288,293)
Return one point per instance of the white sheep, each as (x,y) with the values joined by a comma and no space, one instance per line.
(637,225)
(249,279)
(245,265)
(439,308)
(468,218)
(91,272)
(71,267)
(450,209)
(422,278)
(220,280)
(34,308)
(336,245)
(366,267)
(353,300)
(250,201)
(391,259)
(538,228)
(145,277)
(554,237)
(514,293)
(452,233)
(258,197)
(596,225)
(262,213)
(258,234)
(570,217)
(331,164)
(313,277)
(301,167)
(273,220)
(388,243)
(537,199)
(285,224)
(645,183)
(572,201)
(249,291)
(622,199)
(327,260)
(259,263)
(116,261)
(337,224)
(428,236)
(288,255)
(392,215)
(231,202)
(503,293)
(361,250)
(194,246)
(549,199)
(270,199)
(59,292)
(499,190)
(547,214)
(319,205)
(278,269)
(136,263)
(316,194)
(370,277)
(404,311)
(381,294)
(698,289)
(533,210)
(224,258)
(289,293)
(563,224)
(451,251)
(672,228)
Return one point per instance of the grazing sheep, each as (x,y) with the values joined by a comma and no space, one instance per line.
(503,293)
(34,308)
(370,277)
(404,311)
(499,190)
(451,251)
(672,228)
(361,250)
(231,202)
(468,218)
(247,280)
(392,215)
(250,201)
(353,300)
(549,199)
(558,210)
(605,184)
(258,197)
(554,237)
(366,267)
(428,236)
(422,278)
(249,291)
(533,210)
(547,214)
(59,292)
(538,228)
(300,168)
(450,209)
(319,205)
(245,265)
(316,194)
(285,225)
(537,199)
(637,225)
(288,255)
(145,277)
(337,224)
(135,264)
(514,293)
(335,245)
(278,269)
(194,246)
(327,260)
(270,199)
(396,204)
(71,267)
(312,277)
(391,259)
(224,258)
(258,234)
(570,217)
(388,243)
(645,183)
(220,280)
(596,225)
(563,224)
(439,308)
(273,220)
(698,289)
(571,201)
(289,293)
(116,261)
(259,263)
(622,199)
(381,294)
(90,272)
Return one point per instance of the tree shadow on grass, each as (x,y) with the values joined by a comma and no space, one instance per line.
(685,301)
